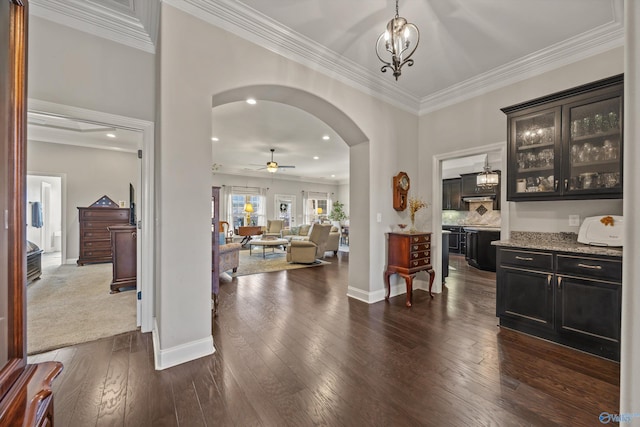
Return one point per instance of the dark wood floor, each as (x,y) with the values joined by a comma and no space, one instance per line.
(292,349)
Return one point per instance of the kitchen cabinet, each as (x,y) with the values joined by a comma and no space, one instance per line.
(572,299)
(470,188)
(455,238)
(567,145)
(479,251)
(452,195)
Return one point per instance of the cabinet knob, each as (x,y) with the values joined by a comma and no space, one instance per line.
(549,281)
(555,185)
(559,282)
(133,235)
(566,184)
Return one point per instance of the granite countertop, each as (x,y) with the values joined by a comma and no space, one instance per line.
(561,242)
(480,228)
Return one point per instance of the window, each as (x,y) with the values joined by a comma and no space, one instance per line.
(239,198)
(317,207)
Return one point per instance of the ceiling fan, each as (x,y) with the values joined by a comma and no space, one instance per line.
(273,166)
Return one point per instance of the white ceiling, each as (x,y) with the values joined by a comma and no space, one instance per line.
(467,47)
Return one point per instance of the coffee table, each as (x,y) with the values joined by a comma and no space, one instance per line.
(267,243)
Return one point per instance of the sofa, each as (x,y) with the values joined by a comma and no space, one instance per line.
(229,257)
(314,247)
(302,232)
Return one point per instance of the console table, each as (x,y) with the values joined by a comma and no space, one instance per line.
(408,253)
(247,232)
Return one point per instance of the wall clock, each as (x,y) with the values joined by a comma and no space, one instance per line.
(401,186)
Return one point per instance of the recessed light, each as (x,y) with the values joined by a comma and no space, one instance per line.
(215,139)
(326,137)
(251,101)
(111,135)
(333,176)
(315,157)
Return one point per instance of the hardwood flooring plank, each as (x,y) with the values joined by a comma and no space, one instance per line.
(293,350)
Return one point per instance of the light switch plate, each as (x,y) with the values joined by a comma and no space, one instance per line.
(574,220)
(379,217)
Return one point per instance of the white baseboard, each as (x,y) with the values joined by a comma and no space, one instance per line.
(71,261)
(375,296)
(166,358)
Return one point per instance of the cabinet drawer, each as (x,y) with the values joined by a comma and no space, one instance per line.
(526,259)
(590,267)
(96,244)
(423,238)
(420,247)
(114,215)
(98,225)
(95,253)
(419,255)
(415,263)
(95,235)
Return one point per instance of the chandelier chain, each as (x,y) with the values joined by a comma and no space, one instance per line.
(397,13)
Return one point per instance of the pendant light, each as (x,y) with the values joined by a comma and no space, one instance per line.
(399,40)
(487,178)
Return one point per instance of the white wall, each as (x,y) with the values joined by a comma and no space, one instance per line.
(90,174)
(441,132)
(71,67)
(190,75)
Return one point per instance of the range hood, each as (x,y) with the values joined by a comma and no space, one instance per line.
(484,198)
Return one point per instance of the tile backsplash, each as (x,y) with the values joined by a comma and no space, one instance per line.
(479,213)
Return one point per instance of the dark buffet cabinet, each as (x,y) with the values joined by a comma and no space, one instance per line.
(452,195)
(408,254)
(95,240)
(123,247)
(567,145)
(457,239)
(569,299)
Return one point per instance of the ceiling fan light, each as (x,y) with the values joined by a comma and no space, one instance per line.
(272,167)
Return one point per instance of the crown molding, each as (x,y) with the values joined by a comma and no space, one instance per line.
(121,26)
(281,177)
(585,45)
(251,25)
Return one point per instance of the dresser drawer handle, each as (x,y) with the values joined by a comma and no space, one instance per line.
(415,247)
(415,255)
(415,239)
(592,267)
(415,262)
(522,258)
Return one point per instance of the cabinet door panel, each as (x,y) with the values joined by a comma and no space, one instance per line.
(525,295)
(589,308)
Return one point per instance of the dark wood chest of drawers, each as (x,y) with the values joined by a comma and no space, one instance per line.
(408,253)
(95,239)
(123,247)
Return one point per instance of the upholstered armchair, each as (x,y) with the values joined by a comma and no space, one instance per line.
(229,257)
(333,241)
(307,251)
(274,227)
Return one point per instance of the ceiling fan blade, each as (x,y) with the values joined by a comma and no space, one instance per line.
(290,167)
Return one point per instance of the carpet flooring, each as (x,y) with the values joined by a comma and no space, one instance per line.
(273,261)
(71,305)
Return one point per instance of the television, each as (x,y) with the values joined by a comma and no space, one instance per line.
(132,205)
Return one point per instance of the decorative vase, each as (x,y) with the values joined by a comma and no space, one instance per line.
(412,229)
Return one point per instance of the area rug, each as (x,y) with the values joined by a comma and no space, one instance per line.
(71,305)
(276,261)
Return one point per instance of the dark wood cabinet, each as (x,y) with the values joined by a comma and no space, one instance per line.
(574,300)
(407,254)
(567,145)
(452,195)
(454,238)
(479,251)
(123,247)
(95,220)
(470,188)
(26,397)
(215,246)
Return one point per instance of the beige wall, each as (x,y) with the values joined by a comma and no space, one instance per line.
(89,174)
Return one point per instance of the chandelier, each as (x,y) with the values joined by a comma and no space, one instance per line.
(487,178)
(400,39)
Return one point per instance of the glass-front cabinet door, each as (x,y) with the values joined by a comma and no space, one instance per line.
(535,153)
(567,145)
(594,152)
